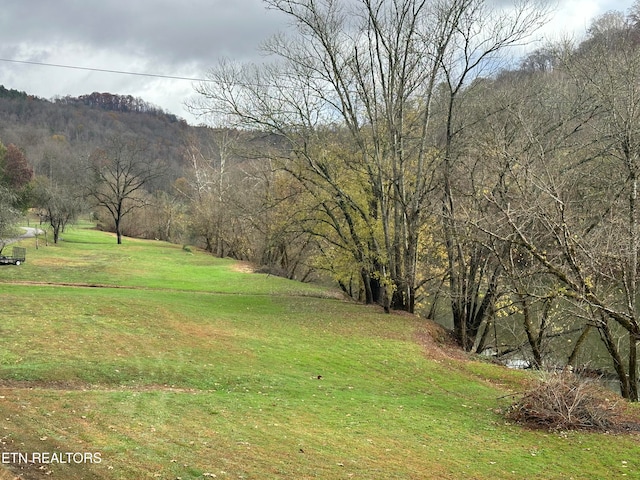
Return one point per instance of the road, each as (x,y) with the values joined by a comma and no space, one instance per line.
(30,232)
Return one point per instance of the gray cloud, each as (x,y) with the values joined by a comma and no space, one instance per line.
(172,31)
(169,37)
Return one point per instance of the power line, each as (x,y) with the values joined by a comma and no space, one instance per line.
(104,70)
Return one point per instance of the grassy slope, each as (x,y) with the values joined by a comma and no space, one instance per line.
(192,368)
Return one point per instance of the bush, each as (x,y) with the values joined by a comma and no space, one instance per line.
(564,401)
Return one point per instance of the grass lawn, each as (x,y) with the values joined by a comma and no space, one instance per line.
(161,363)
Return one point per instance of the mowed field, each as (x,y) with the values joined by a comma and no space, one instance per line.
(143,361)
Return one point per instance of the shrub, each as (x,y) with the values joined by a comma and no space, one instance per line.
(564,401)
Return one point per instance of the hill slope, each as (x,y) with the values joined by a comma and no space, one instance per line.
(160,363)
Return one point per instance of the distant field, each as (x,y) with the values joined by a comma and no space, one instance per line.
(162,363)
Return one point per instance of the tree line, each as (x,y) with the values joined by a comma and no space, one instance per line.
(422,172)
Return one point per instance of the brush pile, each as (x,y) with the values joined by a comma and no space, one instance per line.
(565,401)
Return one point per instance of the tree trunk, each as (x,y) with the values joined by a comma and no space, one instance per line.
(56,233)
(366,284)
(482,344)
(618,365)
(634,242)
(532,336)
(633,368)
(118,230)
(576,348)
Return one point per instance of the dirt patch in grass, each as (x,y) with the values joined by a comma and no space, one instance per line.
(438,342)
(68,284)
(4,475)
(9,384)
(12,386)
(243,267)
(57,262)
(199,331)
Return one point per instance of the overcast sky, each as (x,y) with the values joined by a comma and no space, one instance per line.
(182,38)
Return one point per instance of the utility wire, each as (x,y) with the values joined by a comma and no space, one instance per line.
(120,72)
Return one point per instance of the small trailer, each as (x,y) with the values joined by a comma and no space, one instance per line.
(17,257)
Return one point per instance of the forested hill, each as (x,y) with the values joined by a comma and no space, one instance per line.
(10,93)
(118,103)
(105,101)
(69,127)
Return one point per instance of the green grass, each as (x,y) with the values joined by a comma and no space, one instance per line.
(179,365)
(92,257)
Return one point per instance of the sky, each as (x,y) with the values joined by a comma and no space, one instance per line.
(171,38)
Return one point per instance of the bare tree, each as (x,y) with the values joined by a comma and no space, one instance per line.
(569,197)
(365,74)
(119,174)
(603,70)
(58,204)
(207,188)
(480,34)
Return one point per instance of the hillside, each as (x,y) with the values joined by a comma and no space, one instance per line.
(55,132)
(174,364)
